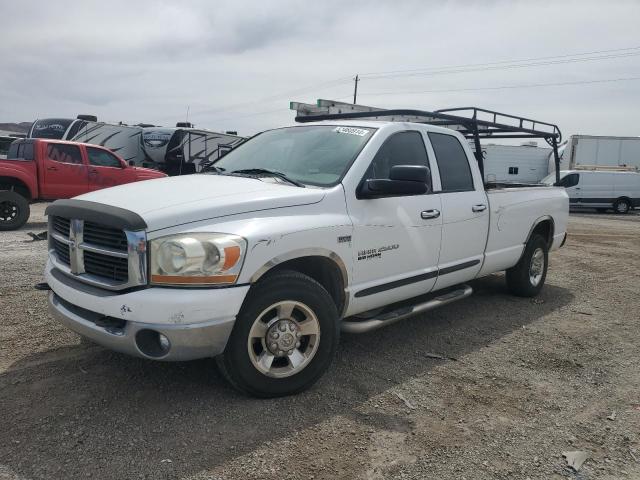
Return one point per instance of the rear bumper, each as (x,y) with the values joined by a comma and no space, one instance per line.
(195,323)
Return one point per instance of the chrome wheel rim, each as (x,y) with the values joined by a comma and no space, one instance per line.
(536,267)
(283,339)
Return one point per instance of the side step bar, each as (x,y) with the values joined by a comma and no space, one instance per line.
(355,326)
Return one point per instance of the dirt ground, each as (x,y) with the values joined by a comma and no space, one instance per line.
(524,381)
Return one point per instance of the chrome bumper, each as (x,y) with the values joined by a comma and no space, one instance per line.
(186,341)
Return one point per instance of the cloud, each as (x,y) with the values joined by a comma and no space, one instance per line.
(237,65)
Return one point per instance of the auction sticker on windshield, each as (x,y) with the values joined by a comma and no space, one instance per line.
(361,132)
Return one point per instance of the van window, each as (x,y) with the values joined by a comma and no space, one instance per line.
(60,152)
(570,180)
(455,174)
(101,158)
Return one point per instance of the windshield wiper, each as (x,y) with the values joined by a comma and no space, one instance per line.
(264,171)
(211,168)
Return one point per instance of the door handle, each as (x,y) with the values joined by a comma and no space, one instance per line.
(427,214)
(479,208)
(52,168)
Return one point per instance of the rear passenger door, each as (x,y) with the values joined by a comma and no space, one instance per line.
(65,174)
(465,212)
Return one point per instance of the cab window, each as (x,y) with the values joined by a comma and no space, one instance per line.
(403,148)
(102,158)
(455,173)
(63,153)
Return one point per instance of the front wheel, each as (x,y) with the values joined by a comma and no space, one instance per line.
(14,210)
(284,339)
(527,277)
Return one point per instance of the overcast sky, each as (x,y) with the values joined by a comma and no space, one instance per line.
(237,66)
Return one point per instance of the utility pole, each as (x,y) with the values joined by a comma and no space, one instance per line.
(355,88)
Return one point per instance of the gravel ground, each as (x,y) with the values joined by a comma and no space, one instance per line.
(523,381)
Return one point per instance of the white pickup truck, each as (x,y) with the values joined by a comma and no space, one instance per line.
(298,234)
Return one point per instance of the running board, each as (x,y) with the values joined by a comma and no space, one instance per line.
(362,326)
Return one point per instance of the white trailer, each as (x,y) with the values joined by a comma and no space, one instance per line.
(512,163)
(599,151)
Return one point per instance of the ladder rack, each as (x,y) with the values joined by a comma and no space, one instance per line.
(472,122)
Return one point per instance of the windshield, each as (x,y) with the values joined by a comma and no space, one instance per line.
(315,155)
(50,128)
(551,178)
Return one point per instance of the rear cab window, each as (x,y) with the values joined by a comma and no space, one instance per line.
(20,151)
(453,164)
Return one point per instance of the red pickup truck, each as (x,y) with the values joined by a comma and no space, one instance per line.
(42,169)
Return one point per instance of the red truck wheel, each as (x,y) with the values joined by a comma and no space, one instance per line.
(14,210)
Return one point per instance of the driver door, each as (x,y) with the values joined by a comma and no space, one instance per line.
(106,170)
(396,239)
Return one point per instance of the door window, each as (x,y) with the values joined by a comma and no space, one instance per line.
(403,148)
(455,174)
(102,158)
(570,180)
(63,153)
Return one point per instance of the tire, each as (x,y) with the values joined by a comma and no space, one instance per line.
(255,362)
(14,210)
(622,206)
(527,278)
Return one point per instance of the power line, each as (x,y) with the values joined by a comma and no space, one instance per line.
(469,65)
(506,67)
(502,87)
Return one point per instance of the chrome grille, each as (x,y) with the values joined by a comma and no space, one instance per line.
(62,226)
(62,251)
(104,236)
(97,254)
(112,268)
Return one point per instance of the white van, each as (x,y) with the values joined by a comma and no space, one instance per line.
(599,189)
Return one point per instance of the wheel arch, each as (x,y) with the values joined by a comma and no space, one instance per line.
(324,266)
(16,185)
(544,225)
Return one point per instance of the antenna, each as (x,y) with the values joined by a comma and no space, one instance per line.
(355,88)
(187,119)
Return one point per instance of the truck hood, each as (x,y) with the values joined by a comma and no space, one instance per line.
(147,173)
(171,201)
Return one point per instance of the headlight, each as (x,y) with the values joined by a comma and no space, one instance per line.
(196,259)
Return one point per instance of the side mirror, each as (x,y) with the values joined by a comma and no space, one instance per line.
(403,180)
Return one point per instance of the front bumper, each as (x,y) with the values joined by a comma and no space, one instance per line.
(196,322)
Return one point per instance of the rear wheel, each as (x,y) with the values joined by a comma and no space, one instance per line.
(284,339)
(14,210)
(622,205)
(527,278)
